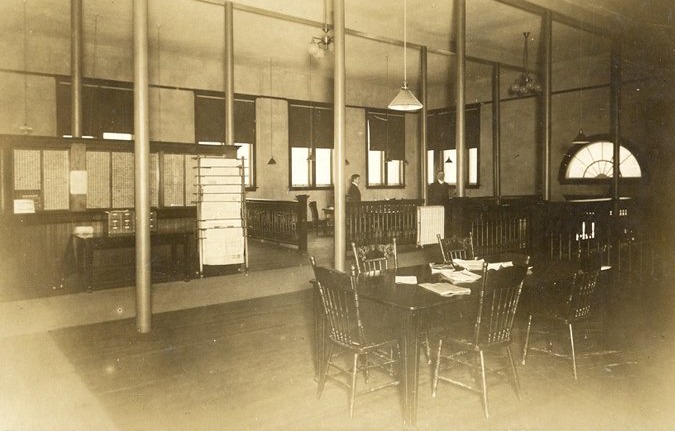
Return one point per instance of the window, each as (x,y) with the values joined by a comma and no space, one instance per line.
(210,127)
(107,109)
(594,162)
(385,133)
(310,135)
(449,160)
(442,153)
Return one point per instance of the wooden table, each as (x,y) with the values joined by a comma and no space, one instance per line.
(413,302)
(84,247)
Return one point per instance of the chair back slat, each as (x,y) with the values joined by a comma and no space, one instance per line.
(340,300)
(582,295)
(456,248)
(374,259)
(498,303)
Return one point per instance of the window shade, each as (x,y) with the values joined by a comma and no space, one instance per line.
(310,126)
(104,109)
(441,128)
(387,133)
(210,119)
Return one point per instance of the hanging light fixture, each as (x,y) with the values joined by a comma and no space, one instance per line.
(310,157)
(448,160)
(526,84)
(581,138)
(320,45)
(271,161)
(405,100)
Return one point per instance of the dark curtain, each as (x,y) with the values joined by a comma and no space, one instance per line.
(310,126)
(441,128)
(387,133)
(210,119)
(104,109)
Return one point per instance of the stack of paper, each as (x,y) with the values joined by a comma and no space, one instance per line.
(446,289)
(440,267)
(499,265)
(471,265)
(463,276)
(406,279)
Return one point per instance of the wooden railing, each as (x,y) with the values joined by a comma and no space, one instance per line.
(376,222)
(496,226)
(278,221)
(556,230)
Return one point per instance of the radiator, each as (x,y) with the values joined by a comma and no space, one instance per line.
(430,222)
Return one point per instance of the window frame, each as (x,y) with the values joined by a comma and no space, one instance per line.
(572,152)
(253,153)
(439,153)
(384,164)
(95,111)
(311,164)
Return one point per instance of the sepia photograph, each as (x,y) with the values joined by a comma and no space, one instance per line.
(337,215)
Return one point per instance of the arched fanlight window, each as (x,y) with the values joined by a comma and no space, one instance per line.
(594,162)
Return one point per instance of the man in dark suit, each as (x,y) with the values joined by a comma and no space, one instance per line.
(439,191)
(354,194)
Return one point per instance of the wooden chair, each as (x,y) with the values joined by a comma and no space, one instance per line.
(375,258)
(572,302)
(496,308)
(456,248)
(320,225)
(372,349)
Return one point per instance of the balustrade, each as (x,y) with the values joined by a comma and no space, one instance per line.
(376,222)
(278,221)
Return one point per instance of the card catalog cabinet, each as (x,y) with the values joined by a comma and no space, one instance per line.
(221,224)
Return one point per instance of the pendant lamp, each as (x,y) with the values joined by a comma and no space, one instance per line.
(405,100)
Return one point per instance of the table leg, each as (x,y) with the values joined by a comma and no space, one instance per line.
(88,265)
(187,256)
(410,366)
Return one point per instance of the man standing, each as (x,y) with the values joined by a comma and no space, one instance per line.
(354,194)
(439,191)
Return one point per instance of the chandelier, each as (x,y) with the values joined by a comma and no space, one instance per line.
(320,45)
(526,84)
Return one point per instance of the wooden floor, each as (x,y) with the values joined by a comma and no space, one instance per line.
(248,365)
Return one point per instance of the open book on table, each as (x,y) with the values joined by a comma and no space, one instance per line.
(446,289)
(463,276)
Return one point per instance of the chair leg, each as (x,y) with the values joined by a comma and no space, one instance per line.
(527,339)
(513,370)
(434,384)
(574,356)
(427,347)
(483,383)
(352,392)
(325,363)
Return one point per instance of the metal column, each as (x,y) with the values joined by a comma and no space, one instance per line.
(460,138)
(142,167)
(423,126)
(496,132)
(339,132)
(229,75)
(76,67)
(548,88)
(615,118)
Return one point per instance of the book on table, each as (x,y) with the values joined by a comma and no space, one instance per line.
(446,289)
